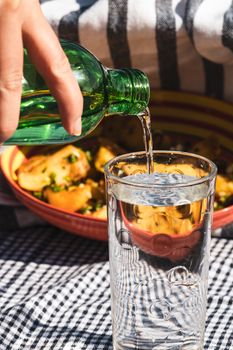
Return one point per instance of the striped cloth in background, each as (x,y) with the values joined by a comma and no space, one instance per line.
(181,44)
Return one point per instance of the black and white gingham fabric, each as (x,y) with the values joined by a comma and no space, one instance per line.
(181,44)
(55,294)
(55,291)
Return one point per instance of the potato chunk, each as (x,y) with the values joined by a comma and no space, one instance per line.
(68,163)
(72,199)
(106,152)
(224,187)
(32,175)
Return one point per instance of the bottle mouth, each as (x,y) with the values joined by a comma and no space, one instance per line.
(140,91)
(129,91)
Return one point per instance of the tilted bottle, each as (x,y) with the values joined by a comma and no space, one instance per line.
(105,91)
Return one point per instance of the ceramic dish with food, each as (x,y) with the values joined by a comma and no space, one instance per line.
(65,185)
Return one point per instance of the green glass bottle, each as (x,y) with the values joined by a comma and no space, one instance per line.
(105,91)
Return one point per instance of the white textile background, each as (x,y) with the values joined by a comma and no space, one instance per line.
(181,44)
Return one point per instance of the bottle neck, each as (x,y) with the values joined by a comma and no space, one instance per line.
(128,91)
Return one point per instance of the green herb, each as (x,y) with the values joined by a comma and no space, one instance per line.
(76,182)
(72,158)
(67,178)
(223,199)
(86,210)
(52,177)
(56,188)
(218,206)
(38,194)
(97,205)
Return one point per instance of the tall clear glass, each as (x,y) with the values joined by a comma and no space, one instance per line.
(159,242)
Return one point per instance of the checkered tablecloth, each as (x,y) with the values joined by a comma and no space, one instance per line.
(54,292)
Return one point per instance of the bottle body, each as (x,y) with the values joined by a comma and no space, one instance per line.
(105,92)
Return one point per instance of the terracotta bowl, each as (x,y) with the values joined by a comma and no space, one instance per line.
(172,247)
(191,115)
(79,224)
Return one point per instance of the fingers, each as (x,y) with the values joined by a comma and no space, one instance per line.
(49,58)
(11,67)
(51,62)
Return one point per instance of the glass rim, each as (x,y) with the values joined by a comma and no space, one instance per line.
(133,155)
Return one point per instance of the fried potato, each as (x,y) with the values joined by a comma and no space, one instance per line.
(179,168)
(186,169)
(177,220)
(224,187)
(69,162)
(72,177)
(106,152)
(73,199)
(97,189)
(162,220)
(132,169)
(31,175)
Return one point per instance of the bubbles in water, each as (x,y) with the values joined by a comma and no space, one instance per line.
(160,195)
(160,178)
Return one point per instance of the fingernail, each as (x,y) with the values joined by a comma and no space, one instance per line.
(77,128)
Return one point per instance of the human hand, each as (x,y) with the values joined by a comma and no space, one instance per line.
(22,24)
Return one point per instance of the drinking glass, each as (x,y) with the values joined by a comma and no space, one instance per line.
(159,241)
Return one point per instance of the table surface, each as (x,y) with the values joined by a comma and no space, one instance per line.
(55,294)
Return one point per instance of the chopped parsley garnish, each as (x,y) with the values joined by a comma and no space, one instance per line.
(76,182)
(56,188)
(86,210)
(67,178)
(97,205)
(38,194)
(52,177)
(72,158)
